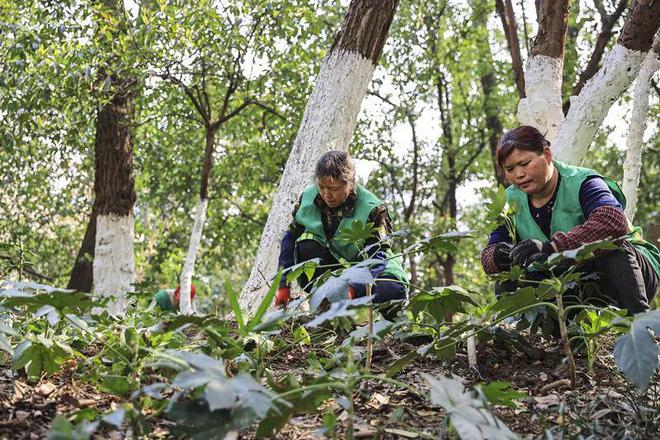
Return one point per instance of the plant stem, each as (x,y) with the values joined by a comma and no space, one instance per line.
(370,329)
(564,336)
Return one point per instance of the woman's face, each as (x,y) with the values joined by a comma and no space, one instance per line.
(529,170)
(333,192)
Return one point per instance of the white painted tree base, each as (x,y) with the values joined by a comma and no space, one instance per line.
(588,110)
(542,108)
(185,281)
(635,143)
(328,124)
(114,260)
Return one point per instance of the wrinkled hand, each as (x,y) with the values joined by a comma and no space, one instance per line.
(502,255)
(528,251)
(282,297)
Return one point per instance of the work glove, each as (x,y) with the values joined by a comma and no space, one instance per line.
(528,251)
(502,255)
(282,297)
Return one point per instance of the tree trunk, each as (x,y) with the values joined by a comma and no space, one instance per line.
(542,108)
(113,268)
(328,124)
(505,11)
(487,78)
(81,278)
(620,68)
(185,281)
(105,262)
(635,143)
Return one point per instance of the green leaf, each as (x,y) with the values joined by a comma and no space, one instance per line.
(345,308)
(62,429)
(501,393)
(439,301)
(511,304)
(636,353)
(305,401)
(301,336)
(120,385)
(401,363)
(194,419)
(233,300)
(265,303)
(358,232)
(468,415)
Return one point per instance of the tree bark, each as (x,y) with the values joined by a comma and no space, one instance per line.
(505,11)
(487,79)
(607,25)
(105,261)
(635,144)
(542,108)
(620,68)
(185,280)
(113,268)
(81,278)
(328,124)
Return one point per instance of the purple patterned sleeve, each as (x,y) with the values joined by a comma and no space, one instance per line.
(595,193)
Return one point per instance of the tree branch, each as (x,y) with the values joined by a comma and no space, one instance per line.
(189,93)
(605,35)
(508,19)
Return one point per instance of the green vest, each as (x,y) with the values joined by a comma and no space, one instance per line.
(567,212)
(309,216)
(163,301)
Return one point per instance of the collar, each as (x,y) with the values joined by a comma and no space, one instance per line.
(346,209)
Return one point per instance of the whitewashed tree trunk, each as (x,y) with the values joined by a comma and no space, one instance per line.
(185,281)
(620,67)
(328,124)
(542,108)
(114,266)
(589,108)
(635,143)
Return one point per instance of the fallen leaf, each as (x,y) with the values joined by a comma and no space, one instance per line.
(613,394)
(600,413)
(543,402)
(377,401)
(402,432)
(46,389)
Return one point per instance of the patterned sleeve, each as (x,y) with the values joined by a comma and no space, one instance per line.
(487,260)
(603,223)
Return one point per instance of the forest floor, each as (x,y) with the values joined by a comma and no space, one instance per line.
(602,405)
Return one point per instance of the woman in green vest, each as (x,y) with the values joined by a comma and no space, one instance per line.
(334,202)
(168,299)
(558,207)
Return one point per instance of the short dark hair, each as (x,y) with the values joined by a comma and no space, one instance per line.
(338,165)
(525,137)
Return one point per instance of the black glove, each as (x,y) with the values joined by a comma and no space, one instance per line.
(528,251)
(502,255)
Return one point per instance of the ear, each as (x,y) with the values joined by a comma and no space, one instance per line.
(547,153)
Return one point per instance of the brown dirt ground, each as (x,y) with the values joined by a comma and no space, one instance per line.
(603,404)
